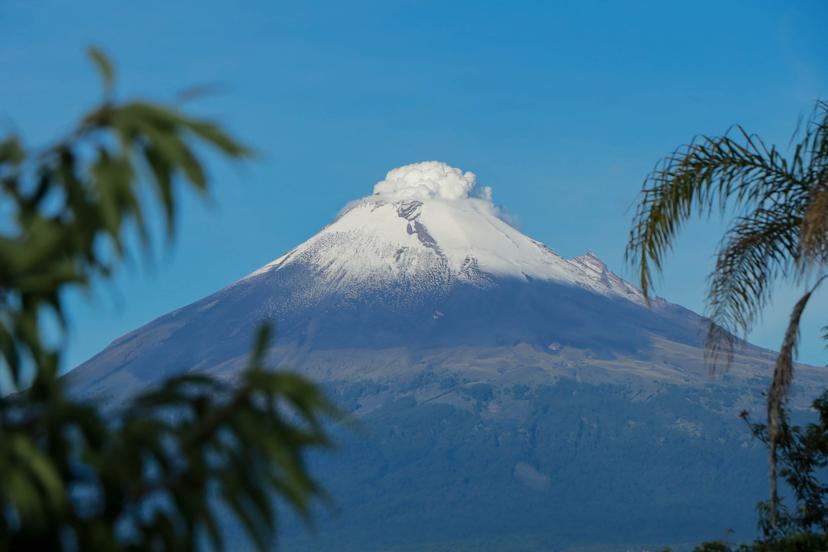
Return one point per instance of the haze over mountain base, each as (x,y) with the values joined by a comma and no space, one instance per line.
(508,396)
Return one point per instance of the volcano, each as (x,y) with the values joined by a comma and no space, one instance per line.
(512,399)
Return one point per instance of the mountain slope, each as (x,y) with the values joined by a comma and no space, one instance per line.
(507,393)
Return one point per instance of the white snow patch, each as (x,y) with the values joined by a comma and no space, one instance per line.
(429,224)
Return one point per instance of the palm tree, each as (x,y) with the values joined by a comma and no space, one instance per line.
(780,233)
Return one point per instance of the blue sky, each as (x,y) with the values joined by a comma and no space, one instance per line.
(561,107)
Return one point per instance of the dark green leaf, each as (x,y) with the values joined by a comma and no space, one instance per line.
(103,65)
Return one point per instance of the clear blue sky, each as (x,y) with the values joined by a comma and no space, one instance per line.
(560,107)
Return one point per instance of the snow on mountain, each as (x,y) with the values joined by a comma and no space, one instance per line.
(430,223)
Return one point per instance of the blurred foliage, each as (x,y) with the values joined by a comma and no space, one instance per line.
(156,473)
(805,542)
(803,457)
(780,231)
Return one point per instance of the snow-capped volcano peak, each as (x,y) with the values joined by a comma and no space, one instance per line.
(428,225)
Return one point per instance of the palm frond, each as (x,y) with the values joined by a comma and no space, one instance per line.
(709,174)
(782,378)
(818,134)
(815,220)
(781,229)
(815,227)
(758,248)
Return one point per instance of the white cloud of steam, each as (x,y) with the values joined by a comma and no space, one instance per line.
(434,179)
(430,179)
